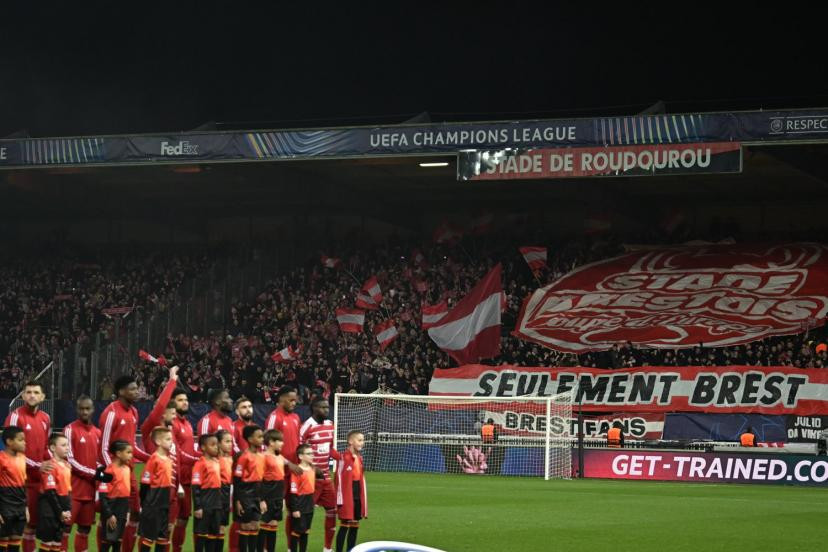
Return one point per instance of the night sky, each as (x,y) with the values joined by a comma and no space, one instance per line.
(172,66)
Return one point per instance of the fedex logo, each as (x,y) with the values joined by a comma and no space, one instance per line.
(183,147)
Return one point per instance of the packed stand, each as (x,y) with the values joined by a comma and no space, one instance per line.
(50,303)
(297,309)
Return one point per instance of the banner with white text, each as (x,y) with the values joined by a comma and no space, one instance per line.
(672,297)
(632,160)
(721,390)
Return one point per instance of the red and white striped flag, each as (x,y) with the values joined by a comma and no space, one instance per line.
(330,262)
(145,356)
(370,296)
(535,257)
(287,354)
(350,320)
(432,314)
(471,330)
(385,332)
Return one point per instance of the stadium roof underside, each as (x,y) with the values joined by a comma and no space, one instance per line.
(378,174)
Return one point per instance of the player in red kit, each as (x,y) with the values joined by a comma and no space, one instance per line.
(318,432)
(244,417)
(187,457)
(287,421)
(36,424)
(218,418)
(119,422)
(84,453)
(244,413)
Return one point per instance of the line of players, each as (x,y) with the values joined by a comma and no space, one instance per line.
(175,462)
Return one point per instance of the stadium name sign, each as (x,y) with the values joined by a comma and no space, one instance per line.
(611,161)
(676,297)
(704,467)
(724,389)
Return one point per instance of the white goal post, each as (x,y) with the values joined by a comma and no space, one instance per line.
(417,433)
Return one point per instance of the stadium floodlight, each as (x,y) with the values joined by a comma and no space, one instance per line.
(393,546)
(435,164)
(427,434)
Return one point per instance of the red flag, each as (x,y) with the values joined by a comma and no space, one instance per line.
(330,262)
(471,330)
(350,320)
(143,355)
(287,354)
(535,257)
(432,314)
(385,332)
(370,296)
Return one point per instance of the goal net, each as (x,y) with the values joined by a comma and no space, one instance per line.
(413,433)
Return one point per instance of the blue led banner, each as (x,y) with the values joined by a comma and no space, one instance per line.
(753,127)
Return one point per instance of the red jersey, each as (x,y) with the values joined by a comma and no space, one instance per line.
(226,464)
(238,434)
(37,427)
(274,468)
(84,453)
(119,487)
(12,481)
(250,467)
(207,473)
(155,417)
(214,421)
(184,440)
(158,472)
(320,436)
(58,480)
(120,423)
(288,424)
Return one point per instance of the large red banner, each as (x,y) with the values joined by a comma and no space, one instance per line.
(722,390)
(681,296)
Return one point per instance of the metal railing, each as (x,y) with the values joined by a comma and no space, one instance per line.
(198,307)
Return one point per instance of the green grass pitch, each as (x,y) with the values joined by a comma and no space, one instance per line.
(464,512)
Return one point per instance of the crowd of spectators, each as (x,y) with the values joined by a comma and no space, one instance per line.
(53,301)
(296,308)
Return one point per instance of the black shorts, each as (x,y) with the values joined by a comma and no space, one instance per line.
(302,524)
(50,526)
(120,508)
(225,505)
(274,510)
(251,511)
(155,524)
(210,522)
(13,522)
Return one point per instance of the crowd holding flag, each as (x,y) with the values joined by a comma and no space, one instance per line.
(535,257)
(370,296)
(350,320)
(385,332)
(471,330)
(330,262)
(288,354)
